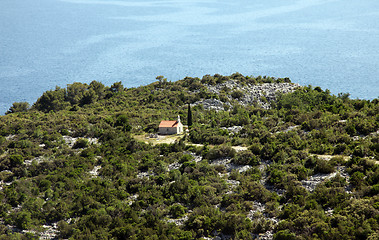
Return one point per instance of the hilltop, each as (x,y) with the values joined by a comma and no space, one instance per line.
(264,158)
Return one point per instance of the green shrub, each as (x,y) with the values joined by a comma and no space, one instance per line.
(123,122)
(80,143)
(284,235)
(177,210)
(220,152)
(323,166)
(23,220)
(246,158)
(237,94)
(16,160)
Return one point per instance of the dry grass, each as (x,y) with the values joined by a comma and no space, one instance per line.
(161,139)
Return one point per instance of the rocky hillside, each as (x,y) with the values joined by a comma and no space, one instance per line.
(263,159)
(261,95)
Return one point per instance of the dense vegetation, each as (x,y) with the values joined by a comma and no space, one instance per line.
(72,160)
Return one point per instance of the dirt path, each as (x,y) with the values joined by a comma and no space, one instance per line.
(159,139)
(328,157)
(239,148)
(169,139)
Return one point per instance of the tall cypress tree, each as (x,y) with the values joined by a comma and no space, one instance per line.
(189,116)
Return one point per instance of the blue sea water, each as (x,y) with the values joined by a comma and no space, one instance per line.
(46,43)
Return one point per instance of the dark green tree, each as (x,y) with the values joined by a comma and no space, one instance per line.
(53,100)
(88,97)
(99,89)
(122,121)
(75,92)
(16,160)
(189,116)
(162,80)
(18,107)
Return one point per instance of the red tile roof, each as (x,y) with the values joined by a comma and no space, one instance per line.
(168,124)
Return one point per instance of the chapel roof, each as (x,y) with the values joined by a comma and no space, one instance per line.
(168,124)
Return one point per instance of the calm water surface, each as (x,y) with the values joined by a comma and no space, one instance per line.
(46,43)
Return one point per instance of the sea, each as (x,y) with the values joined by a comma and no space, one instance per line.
(333,44)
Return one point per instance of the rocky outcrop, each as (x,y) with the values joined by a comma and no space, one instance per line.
(233,130)
(229,166)
(261,95)
(70,141)
(95,171)
(212,104)
(311,183)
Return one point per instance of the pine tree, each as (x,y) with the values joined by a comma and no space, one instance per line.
(189,116)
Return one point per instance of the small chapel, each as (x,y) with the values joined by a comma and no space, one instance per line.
(170,127)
